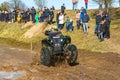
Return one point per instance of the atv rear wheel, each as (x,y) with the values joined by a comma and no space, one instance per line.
(72,54)
(45,57)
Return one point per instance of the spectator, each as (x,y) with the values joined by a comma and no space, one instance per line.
(51,16)
(57,19)
(10,16)
(47,12)
(61,20)
(78,19)
(98,20)
(37,18)
(83,10)
(6,16)
(15,14)
(53,8)
(67,23)
(42,17)
(63,9)
(107,28)
(101,30)
(19,18)
(33,12)
(24,16)
(0,16)
(85,21)
(71,25)
(28,14)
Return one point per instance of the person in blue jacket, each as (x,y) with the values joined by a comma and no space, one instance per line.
(85,21)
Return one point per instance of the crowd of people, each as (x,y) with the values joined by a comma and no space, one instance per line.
(17,15)
(102,28)
(103,20)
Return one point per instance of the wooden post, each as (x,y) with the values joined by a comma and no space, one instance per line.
(31,45)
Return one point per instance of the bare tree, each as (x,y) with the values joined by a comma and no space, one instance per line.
(119,2)
(17,4)
(107,3)
(5,6)
(40,3)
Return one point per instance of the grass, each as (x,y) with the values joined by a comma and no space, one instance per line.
(14,35)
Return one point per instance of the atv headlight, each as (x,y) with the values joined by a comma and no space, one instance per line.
(51,41)
(61,40)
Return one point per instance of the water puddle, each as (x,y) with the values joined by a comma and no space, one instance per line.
(83,76)
(11,75)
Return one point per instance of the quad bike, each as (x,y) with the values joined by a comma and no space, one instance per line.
(57,45)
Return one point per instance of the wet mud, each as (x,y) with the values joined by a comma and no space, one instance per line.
(91,65)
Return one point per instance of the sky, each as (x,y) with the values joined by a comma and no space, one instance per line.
(58,3)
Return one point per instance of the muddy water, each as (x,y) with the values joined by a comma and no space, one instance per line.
(92,66)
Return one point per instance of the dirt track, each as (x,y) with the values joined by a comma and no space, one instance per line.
(92,66)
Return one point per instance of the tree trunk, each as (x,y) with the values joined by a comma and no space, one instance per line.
(106,5)
(119,2)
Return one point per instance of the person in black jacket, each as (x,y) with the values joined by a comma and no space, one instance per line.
(46,14)
(63,8)
(107,28)
(42,17)
(33,12)
(101,29)
(28,14)
(98,20)
(51,16)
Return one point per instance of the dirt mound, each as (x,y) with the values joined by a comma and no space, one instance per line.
(28,24)
(35,30)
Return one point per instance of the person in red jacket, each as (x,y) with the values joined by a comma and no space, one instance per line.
(86,3)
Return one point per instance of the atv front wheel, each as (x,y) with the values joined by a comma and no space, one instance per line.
(45,57)
(72,54)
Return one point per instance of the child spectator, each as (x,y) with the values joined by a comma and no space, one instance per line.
(19,18)
(67,23)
